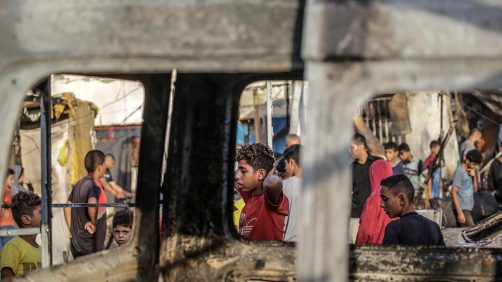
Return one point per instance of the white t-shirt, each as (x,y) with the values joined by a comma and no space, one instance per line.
(291,188)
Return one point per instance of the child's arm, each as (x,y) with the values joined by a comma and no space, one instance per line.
(92,212)
(67,211)
(112,189)
(272,187)
(7,272)
(460,213)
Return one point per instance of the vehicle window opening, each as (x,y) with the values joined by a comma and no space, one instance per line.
(63,120)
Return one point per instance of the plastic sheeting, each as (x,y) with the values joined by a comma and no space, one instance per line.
(70,140)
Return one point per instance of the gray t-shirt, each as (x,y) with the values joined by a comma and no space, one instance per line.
(466,147)
(291,188)
(463,181)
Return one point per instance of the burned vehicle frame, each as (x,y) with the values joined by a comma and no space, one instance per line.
(347,50)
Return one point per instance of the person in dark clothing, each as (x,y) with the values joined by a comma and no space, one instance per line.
(495,177)
(361,188)
(397,195)
(88,225)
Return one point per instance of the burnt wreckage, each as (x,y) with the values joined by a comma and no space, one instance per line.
(347,50)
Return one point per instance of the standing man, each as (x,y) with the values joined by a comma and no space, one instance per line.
(88,225)
(470,143)
(292,139)
(495,177)
(109,184)
(464,186)
(361,189)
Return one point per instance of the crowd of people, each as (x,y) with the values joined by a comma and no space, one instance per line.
(374,178)
(87,225)
(384,192)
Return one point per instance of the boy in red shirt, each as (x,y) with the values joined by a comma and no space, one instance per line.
(263,216)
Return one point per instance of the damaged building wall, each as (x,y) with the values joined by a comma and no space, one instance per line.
(425,114)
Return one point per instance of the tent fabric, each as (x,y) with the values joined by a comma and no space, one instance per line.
(73,137)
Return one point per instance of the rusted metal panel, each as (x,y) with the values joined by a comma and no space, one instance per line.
(372,263)
(389,29)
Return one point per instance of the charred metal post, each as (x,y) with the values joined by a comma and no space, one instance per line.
(45,130)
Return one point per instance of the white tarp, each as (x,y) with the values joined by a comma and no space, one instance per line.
(119,101)
(30,156)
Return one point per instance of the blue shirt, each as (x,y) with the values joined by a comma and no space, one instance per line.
(463,181)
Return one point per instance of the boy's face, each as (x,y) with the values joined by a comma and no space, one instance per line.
(246,178)
(290,166)
(391,204)
(35,219)
(9,180)
(405,155)
(109,162)
(470,165)
(435,150)
(121,234)
(390,155)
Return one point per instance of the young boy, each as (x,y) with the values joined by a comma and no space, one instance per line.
(22,254)
(263,216)
(291,188)
(392,156)
(434,146)
(122,226)
(464,186)
(397,195)
(413,166)
(88,225)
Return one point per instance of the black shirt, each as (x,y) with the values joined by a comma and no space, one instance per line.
(413,229)
(361,188)
(108,175)
(495,179)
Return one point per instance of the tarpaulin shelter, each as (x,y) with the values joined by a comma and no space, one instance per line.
(72,136)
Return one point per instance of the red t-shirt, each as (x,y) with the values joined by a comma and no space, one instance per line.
(260,219)
(428,162)
(102,198)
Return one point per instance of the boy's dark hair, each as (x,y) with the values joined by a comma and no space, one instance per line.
(434,143)
(256,155)
(399,182)
(474,156)
(24,203)
(111,156)
(93,159)
(293,152)
(359,139)
(123,218)
(281,166)
(10,171)
(391,146)
(404,147)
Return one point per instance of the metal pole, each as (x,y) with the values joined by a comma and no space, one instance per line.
(45,133)
(270,131)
